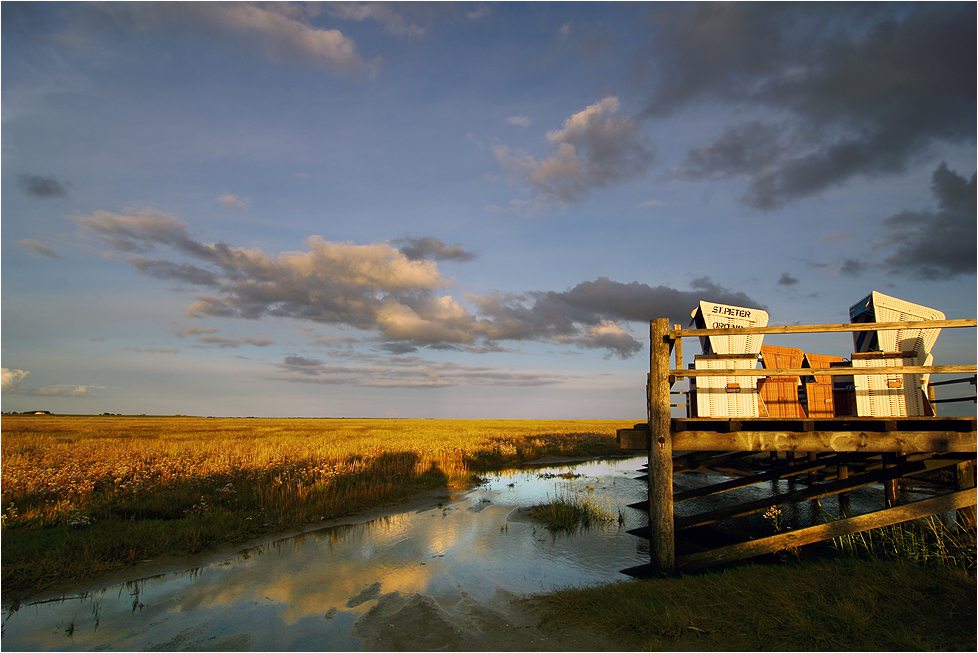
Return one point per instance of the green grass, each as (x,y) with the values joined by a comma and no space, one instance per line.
(85,495)
(572,511)
(925,541)
(843,604)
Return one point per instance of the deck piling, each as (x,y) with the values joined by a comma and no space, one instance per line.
(661,518)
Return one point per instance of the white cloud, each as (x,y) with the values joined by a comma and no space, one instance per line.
(594,148)
(65,391)
(10,379)
(282,32)
(233,202)
(393,21)
(519,121)
(11,384)
(386,290)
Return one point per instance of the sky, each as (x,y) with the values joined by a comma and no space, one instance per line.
(466,210)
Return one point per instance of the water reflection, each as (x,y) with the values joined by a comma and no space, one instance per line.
(306,592)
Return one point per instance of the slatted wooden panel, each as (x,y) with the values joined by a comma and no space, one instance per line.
(817,361)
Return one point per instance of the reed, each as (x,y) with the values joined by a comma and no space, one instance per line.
(82,495)
(928,541)
(572,511)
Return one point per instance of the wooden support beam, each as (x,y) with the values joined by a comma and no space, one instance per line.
(781,471)
(792,539)
(743,481)
(827,436)
(809,493)
(822,532)
(705,459)
(902,442)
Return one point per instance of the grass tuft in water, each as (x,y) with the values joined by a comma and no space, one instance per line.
(570,512)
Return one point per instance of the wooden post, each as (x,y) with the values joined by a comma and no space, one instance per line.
(891,489)
(845,507)
(964,474)
(661,518)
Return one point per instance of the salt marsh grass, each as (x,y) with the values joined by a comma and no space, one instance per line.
(575,510)
(927,541)
(844,604)
(81,495)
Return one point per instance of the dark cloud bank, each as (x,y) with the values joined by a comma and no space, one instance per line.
(859,89)
(937,245)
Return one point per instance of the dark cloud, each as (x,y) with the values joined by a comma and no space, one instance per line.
(405,372)
(787,280)
(399,348)
(233,343)
(37,247)
(302,364)
(852,267)
(866,89)
(749,148)
(432,249)
(379,288)
(42,187)
(598,305)
(168,270)
(640,302)
(941,245)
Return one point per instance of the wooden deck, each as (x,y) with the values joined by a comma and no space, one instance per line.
(829,455)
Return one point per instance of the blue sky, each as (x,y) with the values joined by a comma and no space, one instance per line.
(461,210)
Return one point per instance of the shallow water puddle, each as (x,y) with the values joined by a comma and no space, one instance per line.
(308,592)
(439,577)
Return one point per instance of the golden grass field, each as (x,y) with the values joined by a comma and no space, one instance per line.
(85,494)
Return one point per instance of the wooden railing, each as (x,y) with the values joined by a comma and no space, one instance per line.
(676,334)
